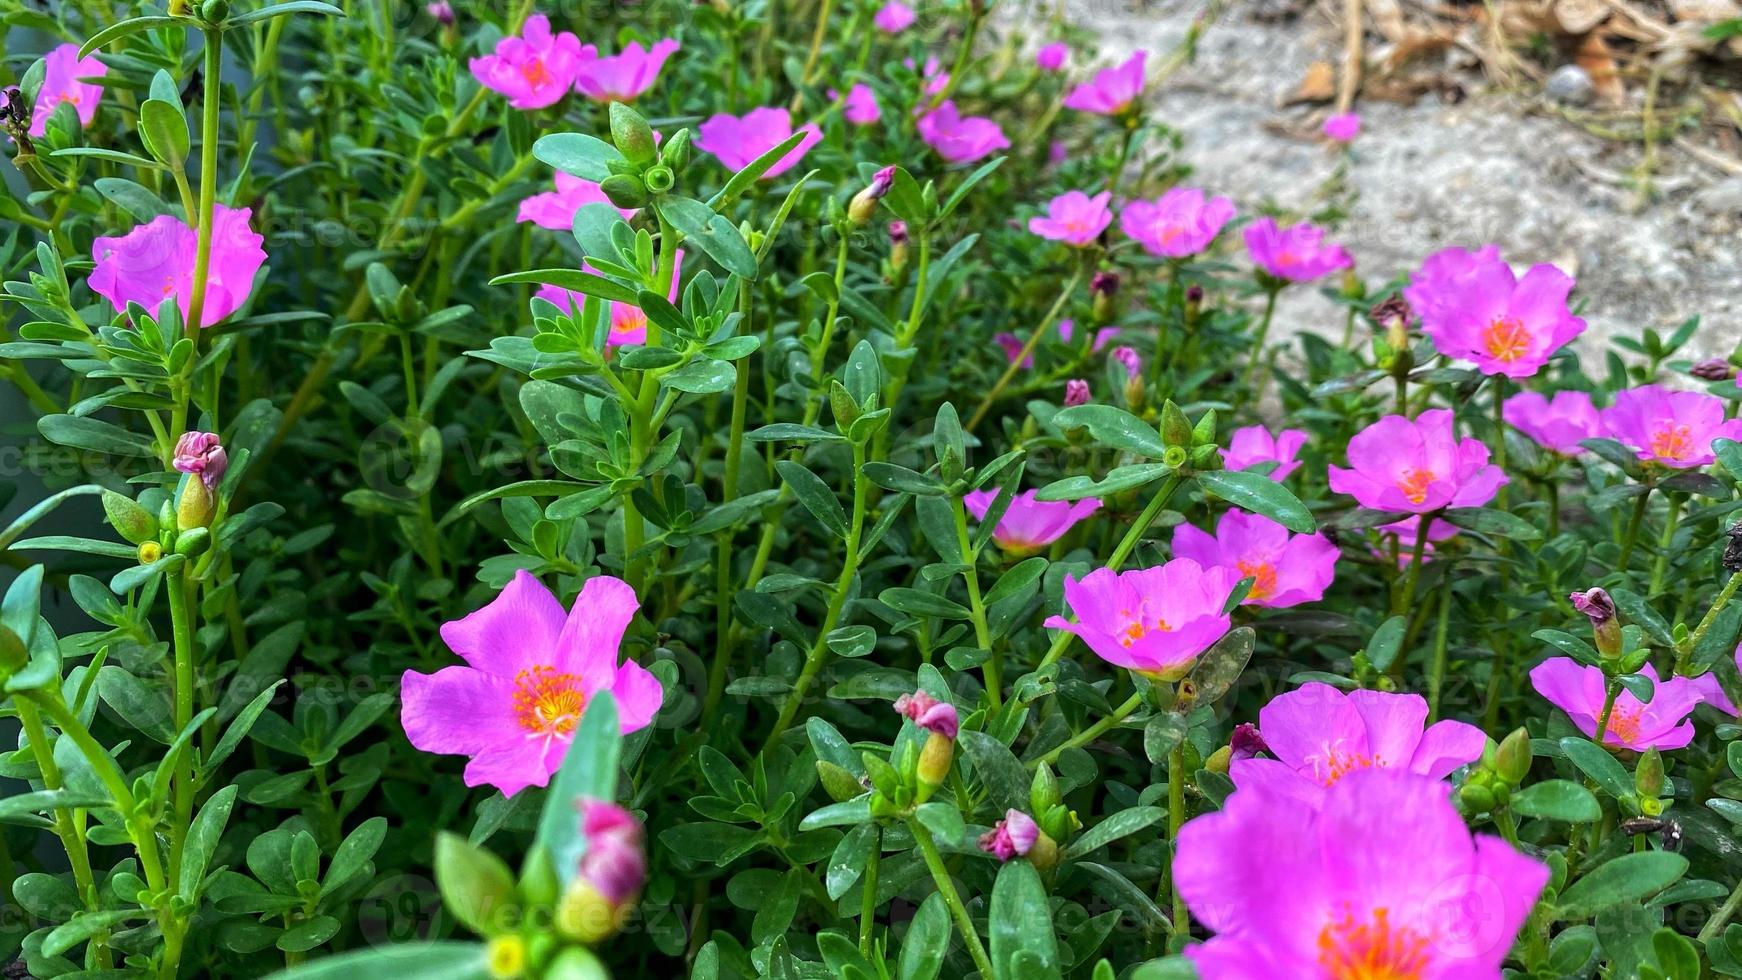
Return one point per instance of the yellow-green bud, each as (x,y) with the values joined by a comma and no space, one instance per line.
(575,963)
(506,957)
(585,915)
(624,190)
(934,764)
(631,134)
(1512,759)
(1219,759)
(1648,774)
(194,509)
(1475,798)
(149,551)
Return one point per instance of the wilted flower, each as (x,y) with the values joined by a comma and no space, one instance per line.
(1011,837)
(556,209)
(1246,742)
(622,76)
(894,17)
(1417,465)
(1670,428)
(1179,223)
(533,70)
(60,83)
(1557,425)
(1286,569)
(1297,253)
(1253,444)
(1475,310)
(1076,392)
(1595,604)
(1052,56)
(156,260)
(1029,525)
(738,141)
(1343,127)
(1113,90)
(958,138)
(530,671)
(928,713)
(1153,621)
(1580,691)
(1074,218)
(1384,880)
(200,454)
(860,107)
(1318,734)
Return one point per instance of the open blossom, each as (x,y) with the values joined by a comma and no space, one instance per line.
(1670,428)
(556,209)
(1012,837)
(622,76)
(929,713)
(156,260)
(1052,56)
(1384,880)
(958,138)
(533,70)
(860,107)
(628,321)
(1318,734)
(1578,690)
(60,83)
(1179,223)
(1343,127)
(1297,253)
(530,671)
(1286,569)
(1029,524)
(738,141)
(1712,692)
(1253,444)
(894,17)
(1476,310)
(1113,90)
(1074,218)
(1557,425)
(1076,392)
(201,454)
(1419,465)
(1153,621)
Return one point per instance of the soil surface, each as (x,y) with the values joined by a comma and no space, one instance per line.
(1494,167)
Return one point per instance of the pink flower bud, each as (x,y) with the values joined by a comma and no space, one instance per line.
(615,862)
(1713,369)
(1596,604)
(1014,836)
(1246,741)
(1128,356)
(200,453)
(1076,392)
(929,713)
(441,10)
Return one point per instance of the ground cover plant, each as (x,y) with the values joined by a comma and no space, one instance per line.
(805,489)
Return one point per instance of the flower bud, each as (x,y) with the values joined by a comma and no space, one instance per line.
(1393,316)
(1104,287)
(612,870)
(1600,609)
(201,454)
(659,178)
(1129,357)
(441,11)
(898,245)
(1476,798)
(133,522)
(1043,792)
(631,135)
(676,151)
(215,11)
(1076,392)
(506,957)
(1512,758)
(864,203)
(624,190)
(1713,369)
(575,963)
(1246,741)
(1648,774)
(194,507)
(1017,835)
(934,764)
(149,551)
(1219,760)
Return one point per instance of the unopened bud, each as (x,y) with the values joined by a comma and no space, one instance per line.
(1246,741)
(1076,392)
(1017,835)
(1393,316)
(631,134)
(864,203)
(675,152)
(1133,363)
(194,508)
(214,11)
(506,957)
(624,190)
(1476,798)
(149,552)
(1219,760)
(898,245)
(442,11)
(612,871)
(1043,792)
(201,454)
(1104,287)
(1512,758)
(934,764)
(1648,774)
(1713,369)
(1600,609)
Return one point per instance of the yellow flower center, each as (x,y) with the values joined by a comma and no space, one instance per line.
(1506,339)
(1623,725)
(628,319)
(535,72)
(1336,763)
(547,702)
(1263,575)
(1671,441)
(1415,483)
(1135,629)
(1374,949)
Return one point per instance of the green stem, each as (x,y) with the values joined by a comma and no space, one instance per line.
(214,41)
(1413,576)
(976,606)
(1611,691)
(1660,565)
(868,894)
(1633,526)
(1258,345)
(67,827)
(1176,816)
(1092,732)
(1027,349)
(952,900)
(1711,616)
(182,631)
(1720,918)
(1437,679)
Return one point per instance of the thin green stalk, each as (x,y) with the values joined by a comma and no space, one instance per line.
(952,900)
(1270,295)
(1611,690)
(1413,576)
(182,632)
(977,607)
(1437,678)
(1660,565)
(1176,818)
(1718,604)
(1123,551)
(1027,350)
(810,60)
(868,893)
(1633,526)
(1092,732)
(1721,918)
(66,826)
(214,41)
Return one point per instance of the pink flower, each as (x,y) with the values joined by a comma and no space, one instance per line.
(1154,621)
(60,83)
(1029,525)
(861,108)
(1419,465)
(933,76)
(1343,127)
(1297,253)
(1057,152)
(628,322)
(738,141)
(1436,289)
(1253,444)
(1286,569)
(1052,56)
(556,209)
(441,11)
(1076,392)
(929,713)
(1578,690)
(156,260)
(1318,734)
(1113,89)
(534,70)
(1012,345)
(1103,335)
(201,454)
(1712,692)
(1179,223)
(1670,428)
(894,18)
(530,672)
(958,138)
(1074,218)
(1383,880)
(1012,837)
(1556,425)
(622,76)
(1129,357)
(1503,325)
(615,861)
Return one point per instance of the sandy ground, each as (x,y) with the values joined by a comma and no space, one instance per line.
(1491,168)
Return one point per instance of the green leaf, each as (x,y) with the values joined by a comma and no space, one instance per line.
(1119,480)
(202,841)
(164,130)
(1494,523)
(279,10)
(354,854)
(926,942)
(94,435)
(889,476)
(1123,823)
(815,495)
(476,886)
(1115,428)
(577,155)
(1005,780)
(589,772)
(1639,612)
(1260,495)
(850,858)
(82,927)
(922,604)
(1601,766)
(1017,580)
(115,32)
(1020,919)
(424,961)
(1557,799)
(753,171)
(712,233)
(1221,665)
(1386,641)
(571,279)
(1628,878)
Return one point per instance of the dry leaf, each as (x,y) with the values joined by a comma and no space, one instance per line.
(1577,17)
(1319,85)
(1598,61)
